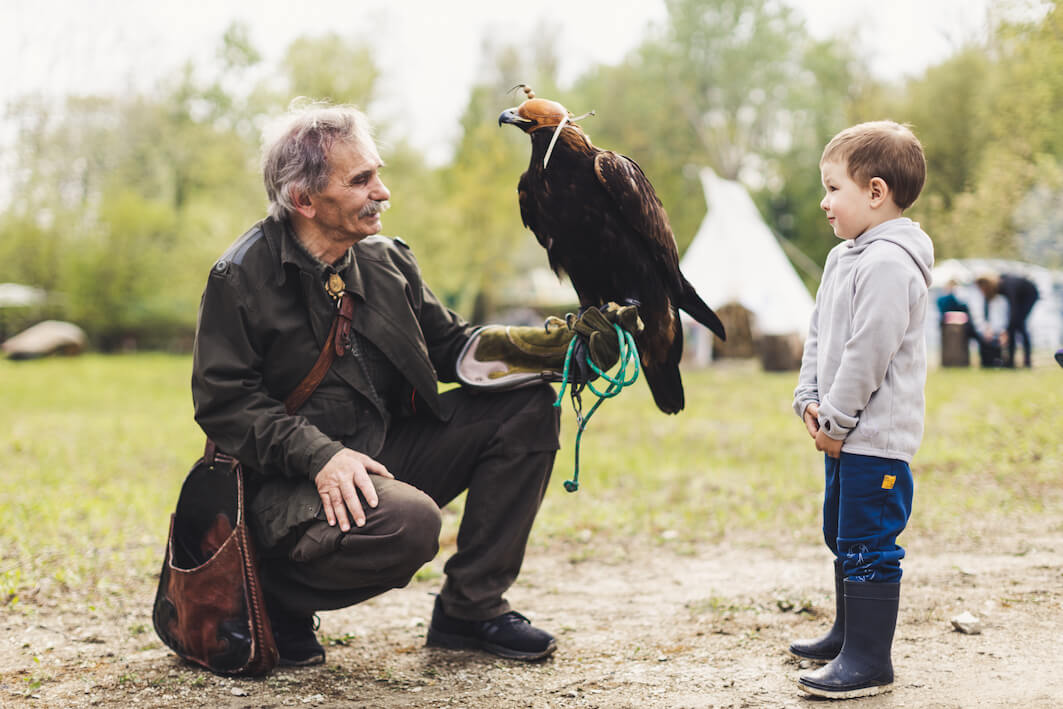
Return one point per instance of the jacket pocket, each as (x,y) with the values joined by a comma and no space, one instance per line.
(284,507)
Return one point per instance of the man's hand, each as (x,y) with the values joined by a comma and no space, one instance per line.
(811,418)
(338,484)
(596,326)
(831,446)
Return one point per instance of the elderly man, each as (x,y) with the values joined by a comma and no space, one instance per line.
(344,494)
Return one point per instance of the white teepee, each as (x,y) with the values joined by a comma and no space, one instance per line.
(735,258)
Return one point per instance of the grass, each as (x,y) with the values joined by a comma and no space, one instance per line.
(93,450)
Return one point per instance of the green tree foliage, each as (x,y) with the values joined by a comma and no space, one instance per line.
(330,68)
(987,117)
(118,205)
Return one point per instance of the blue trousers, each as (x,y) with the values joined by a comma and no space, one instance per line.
(866,505)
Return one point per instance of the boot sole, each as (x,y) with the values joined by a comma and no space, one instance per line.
(812,658)
(462,642)
(845,693)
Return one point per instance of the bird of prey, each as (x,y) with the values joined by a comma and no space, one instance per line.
(601,222)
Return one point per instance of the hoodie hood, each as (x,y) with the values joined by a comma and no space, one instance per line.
(904,233)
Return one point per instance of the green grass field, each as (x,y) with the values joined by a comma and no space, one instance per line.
(93,450)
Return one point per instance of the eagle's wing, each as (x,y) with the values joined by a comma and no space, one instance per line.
(637,201)
(528,210)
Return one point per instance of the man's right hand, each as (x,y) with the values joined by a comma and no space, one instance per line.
(339,482)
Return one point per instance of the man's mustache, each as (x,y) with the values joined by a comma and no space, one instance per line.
(373,207)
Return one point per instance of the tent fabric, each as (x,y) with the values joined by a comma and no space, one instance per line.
(735,258)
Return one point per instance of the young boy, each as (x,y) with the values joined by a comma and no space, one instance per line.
(860,393)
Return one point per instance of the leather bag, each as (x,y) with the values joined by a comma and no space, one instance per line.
(209,607)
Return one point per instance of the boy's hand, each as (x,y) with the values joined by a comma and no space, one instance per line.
(811,418)
(832,447)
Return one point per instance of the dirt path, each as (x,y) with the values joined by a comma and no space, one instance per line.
(650,628)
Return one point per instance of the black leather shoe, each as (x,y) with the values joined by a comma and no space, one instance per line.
(297,644)
(509,635)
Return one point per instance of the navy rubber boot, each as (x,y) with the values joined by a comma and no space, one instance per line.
(864,666)
(826,647)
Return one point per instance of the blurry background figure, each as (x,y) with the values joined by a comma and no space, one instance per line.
(1019,294)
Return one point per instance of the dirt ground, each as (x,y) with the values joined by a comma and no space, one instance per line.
(649,626)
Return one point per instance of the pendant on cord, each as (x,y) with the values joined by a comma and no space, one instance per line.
(335,286)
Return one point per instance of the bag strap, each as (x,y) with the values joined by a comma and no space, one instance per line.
(336,342)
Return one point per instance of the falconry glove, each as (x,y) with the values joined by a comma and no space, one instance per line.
(508,356)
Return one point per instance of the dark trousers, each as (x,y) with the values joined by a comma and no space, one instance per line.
(499,447)
(1020,311)
(866,504)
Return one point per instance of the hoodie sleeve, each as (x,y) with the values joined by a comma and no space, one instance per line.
(807,391)
(882,297)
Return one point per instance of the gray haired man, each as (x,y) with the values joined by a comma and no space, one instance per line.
(344,494)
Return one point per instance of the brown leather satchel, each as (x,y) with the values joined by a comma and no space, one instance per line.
(209,607)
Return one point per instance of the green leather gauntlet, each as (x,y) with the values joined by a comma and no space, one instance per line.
(508,356)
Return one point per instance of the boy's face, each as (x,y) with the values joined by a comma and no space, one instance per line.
(849,206)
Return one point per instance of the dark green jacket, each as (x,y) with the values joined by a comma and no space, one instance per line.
(262,321)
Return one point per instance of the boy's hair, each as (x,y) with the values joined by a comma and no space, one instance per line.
(882,149)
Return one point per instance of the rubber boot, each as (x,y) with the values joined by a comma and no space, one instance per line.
(827,647)
(863,667)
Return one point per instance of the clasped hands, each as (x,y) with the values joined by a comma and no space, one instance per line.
(831,446)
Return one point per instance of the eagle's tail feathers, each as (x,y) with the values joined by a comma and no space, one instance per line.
(693,304)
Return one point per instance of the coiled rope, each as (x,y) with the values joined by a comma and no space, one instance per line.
(628,356)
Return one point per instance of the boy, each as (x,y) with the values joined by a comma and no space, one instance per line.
(860,393)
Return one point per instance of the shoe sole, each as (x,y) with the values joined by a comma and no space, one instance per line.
(461,642)
(315,660)
(845,694)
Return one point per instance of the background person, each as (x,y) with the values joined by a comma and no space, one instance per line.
(1020,294)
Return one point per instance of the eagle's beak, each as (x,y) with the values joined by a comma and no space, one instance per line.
(510,115)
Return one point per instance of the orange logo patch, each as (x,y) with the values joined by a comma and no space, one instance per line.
(887,481)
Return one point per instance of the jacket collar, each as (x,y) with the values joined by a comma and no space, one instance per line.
(295,259)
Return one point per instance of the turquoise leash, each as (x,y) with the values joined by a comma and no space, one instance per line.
(628,355)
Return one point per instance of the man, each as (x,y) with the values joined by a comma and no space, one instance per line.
(1020,294)
(345,493)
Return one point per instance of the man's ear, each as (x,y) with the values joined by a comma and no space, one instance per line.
(879,191)
(303,203)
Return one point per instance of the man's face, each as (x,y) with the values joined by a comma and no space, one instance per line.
(847,204)
(349,207)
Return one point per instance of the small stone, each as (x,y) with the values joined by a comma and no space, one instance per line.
(238,692)
(804,664)
(967,623)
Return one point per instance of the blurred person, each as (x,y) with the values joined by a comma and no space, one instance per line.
(345,493)
(948,304)
(1020,294)
(860,394)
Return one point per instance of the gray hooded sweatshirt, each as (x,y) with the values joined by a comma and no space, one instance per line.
(865,357)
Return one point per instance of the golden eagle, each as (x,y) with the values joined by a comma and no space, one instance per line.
(601,222)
